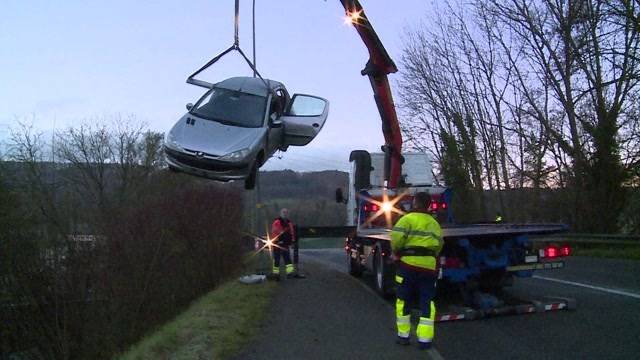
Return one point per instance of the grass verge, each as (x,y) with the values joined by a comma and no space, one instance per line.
(213,327)
(613,252)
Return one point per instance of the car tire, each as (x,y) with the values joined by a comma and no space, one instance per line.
(250,181)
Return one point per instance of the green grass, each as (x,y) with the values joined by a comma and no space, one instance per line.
(614,252)
(213,327)
(321,243)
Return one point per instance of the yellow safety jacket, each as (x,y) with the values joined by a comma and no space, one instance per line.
(421,231)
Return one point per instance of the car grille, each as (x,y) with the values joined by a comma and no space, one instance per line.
(202,163)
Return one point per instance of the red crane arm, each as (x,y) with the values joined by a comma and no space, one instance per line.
(377,69)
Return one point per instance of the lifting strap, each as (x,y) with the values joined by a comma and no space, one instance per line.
(236,46)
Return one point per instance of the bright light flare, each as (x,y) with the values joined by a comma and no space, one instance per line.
(352,17)
(266,243)
(386,208)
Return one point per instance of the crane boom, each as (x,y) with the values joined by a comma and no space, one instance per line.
(377,69)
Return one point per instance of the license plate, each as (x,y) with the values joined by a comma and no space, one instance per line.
(531,259)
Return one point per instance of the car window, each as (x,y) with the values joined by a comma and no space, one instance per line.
(231,108)
(305,105)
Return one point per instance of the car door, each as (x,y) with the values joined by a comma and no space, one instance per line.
(304,118)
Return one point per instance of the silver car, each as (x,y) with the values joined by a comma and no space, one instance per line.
(238,125)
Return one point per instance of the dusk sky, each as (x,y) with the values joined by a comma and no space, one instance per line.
(67,62)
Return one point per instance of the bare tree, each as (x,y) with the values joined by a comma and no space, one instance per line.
(535,93)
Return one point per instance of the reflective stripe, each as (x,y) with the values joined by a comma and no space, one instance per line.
(399,279)
(416,232)
(425,330)
(289,268)
(404,325)
(424,233)
(425,321)
(276,270)
(425,340)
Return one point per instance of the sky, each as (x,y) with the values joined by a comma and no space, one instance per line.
(66,62)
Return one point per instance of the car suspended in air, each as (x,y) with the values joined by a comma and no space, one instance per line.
(238,124)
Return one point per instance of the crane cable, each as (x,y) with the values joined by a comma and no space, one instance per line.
(253,13)
(236,46)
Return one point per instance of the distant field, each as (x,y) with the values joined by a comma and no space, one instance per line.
(614,252)
(603,246)
(321,243)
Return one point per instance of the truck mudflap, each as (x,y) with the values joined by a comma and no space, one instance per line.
(522,308)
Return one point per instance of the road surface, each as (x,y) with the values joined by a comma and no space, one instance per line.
(606,324)
(328,315)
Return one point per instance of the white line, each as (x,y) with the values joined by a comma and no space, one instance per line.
(611,291)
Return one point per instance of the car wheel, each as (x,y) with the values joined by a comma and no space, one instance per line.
(250,181)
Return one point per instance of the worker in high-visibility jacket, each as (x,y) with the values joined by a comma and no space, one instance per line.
(283,235)
(416,241)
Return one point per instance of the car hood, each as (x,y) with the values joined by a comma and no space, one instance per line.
(212,137)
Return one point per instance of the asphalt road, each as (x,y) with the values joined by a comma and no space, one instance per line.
(328,315)
(606,324)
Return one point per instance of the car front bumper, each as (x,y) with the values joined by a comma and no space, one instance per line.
(206,167)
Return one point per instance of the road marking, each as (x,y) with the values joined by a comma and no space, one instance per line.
(435,355)
(592,287)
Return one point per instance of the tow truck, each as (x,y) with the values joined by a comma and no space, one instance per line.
(477,261)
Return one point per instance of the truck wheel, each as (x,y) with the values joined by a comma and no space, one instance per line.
(383,276)
(355,268)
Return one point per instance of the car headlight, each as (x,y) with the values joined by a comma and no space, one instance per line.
(170,141)
(235,156)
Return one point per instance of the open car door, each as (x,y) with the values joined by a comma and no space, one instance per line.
(304,119)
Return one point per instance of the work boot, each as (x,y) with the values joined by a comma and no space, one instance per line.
(424,345)
(402,341)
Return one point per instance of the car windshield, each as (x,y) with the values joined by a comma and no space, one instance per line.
(231,108)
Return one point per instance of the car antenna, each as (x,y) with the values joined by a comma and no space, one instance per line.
(236,46)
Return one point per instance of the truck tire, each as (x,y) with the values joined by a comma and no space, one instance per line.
(362,176)
(355,267)
(383,277)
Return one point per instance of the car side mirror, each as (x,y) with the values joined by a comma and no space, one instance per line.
(274,122)
(340,196)
(189,106)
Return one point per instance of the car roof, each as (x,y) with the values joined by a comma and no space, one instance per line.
(250,85)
